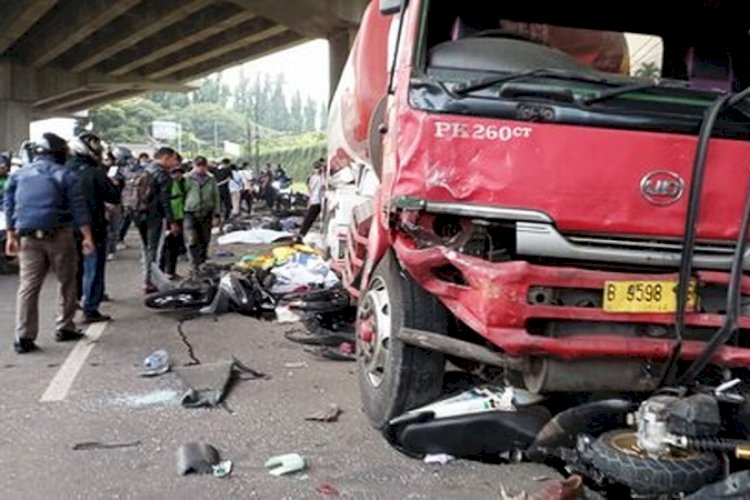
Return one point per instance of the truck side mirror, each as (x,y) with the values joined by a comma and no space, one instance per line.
(389,7)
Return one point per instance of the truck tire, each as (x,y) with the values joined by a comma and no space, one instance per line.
(395,377)
(613,456)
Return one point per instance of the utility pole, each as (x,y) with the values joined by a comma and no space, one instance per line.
(216,141)
(257,132)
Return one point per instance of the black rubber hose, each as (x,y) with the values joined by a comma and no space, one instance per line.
(691,228)
(734,298)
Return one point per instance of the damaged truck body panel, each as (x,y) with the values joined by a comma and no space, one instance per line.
(558,199)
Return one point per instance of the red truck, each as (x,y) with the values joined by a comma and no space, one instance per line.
(547,194)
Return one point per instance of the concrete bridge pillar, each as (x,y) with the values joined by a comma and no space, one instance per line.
(17,91)
(339,44)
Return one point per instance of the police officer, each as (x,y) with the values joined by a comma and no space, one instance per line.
(43,207)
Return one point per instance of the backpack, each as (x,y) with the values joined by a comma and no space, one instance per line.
(136,194)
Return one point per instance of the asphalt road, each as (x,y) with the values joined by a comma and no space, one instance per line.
(109,403)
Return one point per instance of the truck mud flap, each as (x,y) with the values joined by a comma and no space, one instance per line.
(482,436)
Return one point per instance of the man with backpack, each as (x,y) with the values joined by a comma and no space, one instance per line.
(132,196)
(43,207)
(153,207)
(202,207)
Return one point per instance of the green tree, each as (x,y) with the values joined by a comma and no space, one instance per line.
(212,90)
(323,117)
(170,101)
(126,121)
(279,114)
(296,119)
(212,124)
(309,115)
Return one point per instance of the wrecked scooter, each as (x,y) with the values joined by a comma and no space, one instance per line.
(219,289)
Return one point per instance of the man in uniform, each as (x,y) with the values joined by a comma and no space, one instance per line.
(43,207)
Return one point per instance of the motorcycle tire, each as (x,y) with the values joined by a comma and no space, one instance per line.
(615,455)
(179,299)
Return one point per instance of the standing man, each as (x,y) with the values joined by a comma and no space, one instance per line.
(97,189)
(43,206)
(202,207)
(158,210)
(315,187)
(4,173)
(174,242)
(223,176)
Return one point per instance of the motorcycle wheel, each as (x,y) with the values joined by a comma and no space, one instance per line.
(616,455)
(179,299)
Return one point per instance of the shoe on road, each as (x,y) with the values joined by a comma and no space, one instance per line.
(23,346)
(68,335)
(95,317)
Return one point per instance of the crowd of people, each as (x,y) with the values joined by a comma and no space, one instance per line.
(75,201)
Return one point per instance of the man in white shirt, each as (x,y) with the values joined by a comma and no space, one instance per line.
(315,188)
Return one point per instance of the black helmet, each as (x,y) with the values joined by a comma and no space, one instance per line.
(87,145)
(51,144)
(4,160)
(123,156)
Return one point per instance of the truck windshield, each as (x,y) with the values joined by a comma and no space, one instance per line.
(475,50)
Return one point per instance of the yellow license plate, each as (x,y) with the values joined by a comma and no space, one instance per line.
(646,296)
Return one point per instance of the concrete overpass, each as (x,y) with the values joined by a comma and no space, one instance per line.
(62,56)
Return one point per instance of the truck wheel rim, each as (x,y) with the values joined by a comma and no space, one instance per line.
(375,319)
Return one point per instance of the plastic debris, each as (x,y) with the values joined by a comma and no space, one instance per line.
(331,414)
(286,464)
(285,315)
(197,458)
(156,363)
(295,365)
(327,490)
(96,445)
(222,469)
(477,400)
(439,458)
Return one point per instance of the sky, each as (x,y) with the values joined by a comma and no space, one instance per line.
(305,68)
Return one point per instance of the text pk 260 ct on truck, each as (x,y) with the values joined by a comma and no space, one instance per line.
(556,197)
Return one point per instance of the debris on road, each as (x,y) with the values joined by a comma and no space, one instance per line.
(301,364)
(566,489)
(322,338)
(327,490)
(156,363)
(284,315)
(331,414)
(208,384)
(222,469)
(96,445)
(197,458)
(253,237)
(344,352)
(286,464)
(439,458)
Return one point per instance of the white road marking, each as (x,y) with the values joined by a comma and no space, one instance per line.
(58,388)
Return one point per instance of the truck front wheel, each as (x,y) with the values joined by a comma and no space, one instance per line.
(395,377)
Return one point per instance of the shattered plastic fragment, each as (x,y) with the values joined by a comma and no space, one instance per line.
(156,363)
(285,464)
(329,415)
(327,490)
(439,458)
(223,469)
